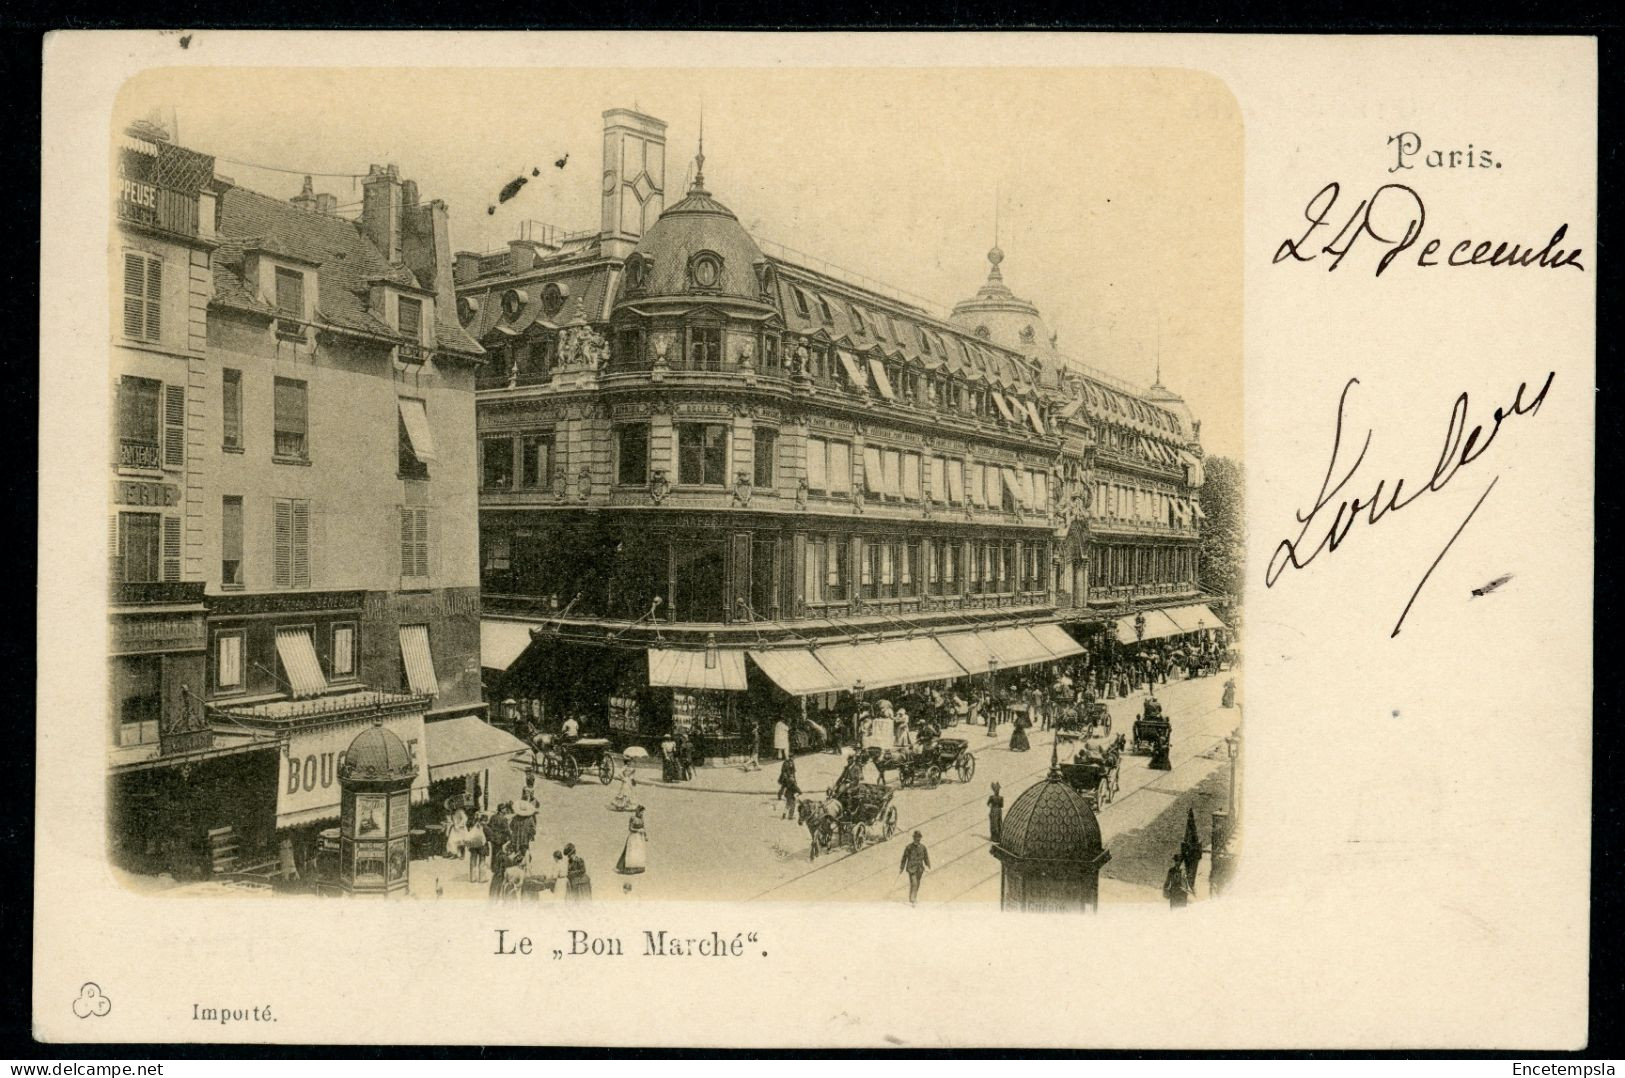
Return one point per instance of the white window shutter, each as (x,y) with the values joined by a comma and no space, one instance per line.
(134,295)
(174,426)
(155,296)
(172,548)
(301,544)
(421,541)
(407,529)
(282,544)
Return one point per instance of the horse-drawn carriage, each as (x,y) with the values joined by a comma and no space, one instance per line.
(1083,720)
(1151,727)
(567,760)
(1095,774)
(850,816)
(926,765)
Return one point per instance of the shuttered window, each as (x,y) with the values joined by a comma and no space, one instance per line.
(290,419)
(174,426)
(140,422)
(411,318)
(231,540)
(231,409)
(138,547)
(290,545)
(228,660)
(414,543)
(290,293)
(817,464)
(172,548)
(840,467)
(143,296)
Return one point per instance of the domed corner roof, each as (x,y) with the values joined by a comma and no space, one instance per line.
(377,754)
(1169,401)
(1050,822)
(695,224)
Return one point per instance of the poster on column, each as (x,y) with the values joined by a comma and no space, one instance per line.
(1257,668)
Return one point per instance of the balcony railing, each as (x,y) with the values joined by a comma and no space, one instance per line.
(146,593)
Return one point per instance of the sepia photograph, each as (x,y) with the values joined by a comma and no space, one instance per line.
(668,490)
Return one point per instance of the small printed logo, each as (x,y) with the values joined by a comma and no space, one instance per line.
(91,1001)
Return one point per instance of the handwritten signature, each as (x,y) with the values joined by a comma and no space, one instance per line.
(1326,531)
(1393,218)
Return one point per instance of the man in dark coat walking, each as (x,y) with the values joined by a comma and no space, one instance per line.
(916,860)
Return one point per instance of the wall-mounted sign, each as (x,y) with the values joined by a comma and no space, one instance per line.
(308,788)
(137,493)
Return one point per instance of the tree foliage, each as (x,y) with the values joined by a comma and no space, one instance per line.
(1223,535)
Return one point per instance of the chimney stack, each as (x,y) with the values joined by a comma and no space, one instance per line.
(634,188)
(305,199)
(381,206)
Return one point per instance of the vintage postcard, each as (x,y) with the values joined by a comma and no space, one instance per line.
(816,540)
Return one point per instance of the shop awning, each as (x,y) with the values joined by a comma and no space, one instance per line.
(1157,626)
(874,473)
(1193,618)
(1194,465)
(1018,490)
(968,650)
(850,363)
(797,671)
(878,369)
(1056,640)
(682,669)
(416,421)
(1071,408)
(1032,414)
(502,642)
(1003,406)
(465,745)
(1015,646)
(1196,507)
(298,654)
(419,662)
(885,663)
(956,481)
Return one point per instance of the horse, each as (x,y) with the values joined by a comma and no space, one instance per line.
(815,817)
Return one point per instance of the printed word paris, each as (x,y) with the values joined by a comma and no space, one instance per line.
(1407,149)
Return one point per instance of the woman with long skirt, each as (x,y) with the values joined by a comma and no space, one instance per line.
(635,854)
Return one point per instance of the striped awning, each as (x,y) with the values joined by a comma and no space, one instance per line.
(1157,626)
(878,369)
(850,363)
(881,664)
(969,651)
(1018,490)
(684,669)
(418,660)
(1193,618)
(797,671)
(1003,406)
(297,651)
(1032,414)
(466,745)
(1057,640)
(1015,646)
(416,421)
(502,642)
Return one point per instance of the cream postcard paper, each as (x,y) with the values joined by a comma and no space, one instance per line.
(563,428)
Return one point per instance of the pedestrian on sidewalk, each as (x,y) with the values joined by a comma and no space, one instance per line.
(668,758)
(685,756)
(578,885)
(1018,733)
(991,711)
(1229,699)
(1176,887)
(781,739)
(1190,848)
(995,815)
(788,788)
(916,860)
(498,835)
(635,854)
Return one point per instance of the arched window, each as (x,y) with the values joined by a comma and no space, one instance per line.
(705,271)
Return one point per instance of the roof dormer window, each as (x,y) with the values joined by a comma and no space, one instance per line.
(514,302)
(409,318)
(705,271)
(634,274)
(824,311)
(801,302)
(552,300)
(290,293)
(857,319)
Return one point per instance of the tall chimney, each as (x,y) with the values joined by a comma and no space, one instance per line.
(381,209)
(634,178)
(426,250)
(306,198)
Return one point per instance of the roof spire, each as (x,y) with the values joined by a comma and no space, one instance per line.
(995,256)
(1158,383)
(699,158)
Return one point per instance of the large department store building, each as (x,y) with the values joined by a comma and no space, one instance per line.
(720,484)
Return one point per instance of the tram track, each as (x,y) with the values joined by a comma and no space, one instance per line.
(980,845)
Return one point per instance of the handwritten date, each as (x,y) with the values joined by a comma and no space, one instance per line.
(1391,221)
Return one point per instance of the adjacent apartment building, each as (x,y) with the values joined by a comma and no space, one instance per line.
(296,408)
